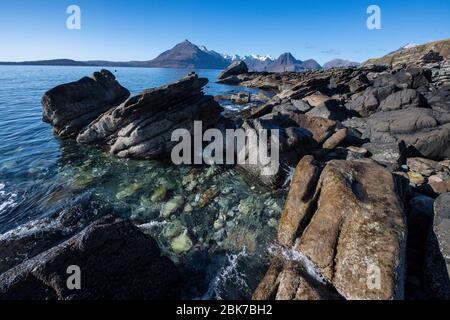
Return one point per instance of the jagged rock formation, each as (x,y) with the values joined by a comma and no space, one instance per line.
(398,110)
(140,127)
(349,225)
(236,68)
(398,118)
(71,107)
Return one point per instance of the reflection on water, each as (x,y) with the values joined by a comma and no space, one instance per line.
(211,221)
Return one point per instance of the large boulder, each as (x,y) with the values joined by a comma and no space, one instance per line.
(417,128)
(331,109)
(357,231)
(367,102)
(71,107)
(299,202)
(142,126)
(408,98)
(236,68)
(116,260)
(411,78)
(351,232)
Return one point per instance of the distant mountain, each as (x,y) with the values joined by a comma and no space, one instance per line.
(287,62)
(54,62)
(311,64)
(188,55)
(340,63)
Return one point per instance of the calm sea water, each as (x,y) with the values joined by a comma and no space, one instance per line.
(229,233)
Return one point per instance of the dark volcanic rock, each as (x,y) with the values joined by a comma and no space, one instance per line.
(117,261)
(71,107)
(35,237)
(368,101)
(408,98)
(331,109)
(142,126)
(236,68)
(416,127)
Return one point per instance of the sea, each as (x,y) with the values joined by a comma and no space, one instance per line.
(220,246)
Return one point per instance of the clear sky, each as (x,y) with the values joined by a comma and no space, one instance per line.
(139,30)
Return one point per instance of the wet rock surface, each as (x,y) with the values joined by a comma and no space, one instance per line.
(117,261)
(35,237)
(348,223)
(370,145)
(94,111)
(142,126)
(69,108)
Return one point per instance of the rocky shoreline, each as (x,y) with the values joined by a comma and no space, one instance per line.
(364,151)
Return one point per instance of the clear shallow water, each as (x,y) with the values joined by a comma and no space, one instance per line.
(225,223)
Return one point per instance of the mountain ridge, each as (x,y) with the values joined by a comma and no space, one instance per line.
(187,55)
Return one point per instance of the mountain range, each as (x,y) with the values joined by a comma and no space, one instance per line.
(187,55)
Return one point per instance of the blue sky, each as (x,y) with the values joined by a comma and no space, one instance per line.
(140,30)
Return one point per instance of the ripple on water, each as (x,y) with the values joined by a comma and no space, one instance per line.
(7,199)
(220,212)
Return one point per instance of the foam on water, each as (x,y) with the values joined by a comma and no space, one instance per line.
(229,273)
(294,255)
(7,199)
(152,224)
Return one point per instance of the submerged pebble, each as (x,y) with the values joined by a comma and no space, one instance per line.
(181,244)
(128,191)
(207,196)
(159,194)
(82,180)
(172,206)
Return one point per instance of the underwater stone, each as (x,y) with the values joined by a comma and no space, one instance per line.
(82,180)
(273,223)
(128,191)
(245,206)
(207,196)
(218,224)
(173,229)
(172,206)
(182,243)
(159,194)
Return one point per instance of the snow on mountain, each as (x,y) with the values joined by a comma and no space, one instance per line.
(409,45)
